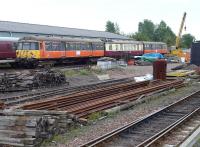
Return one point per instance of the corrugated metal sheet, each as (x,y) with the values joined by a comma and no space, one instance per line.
(15,27)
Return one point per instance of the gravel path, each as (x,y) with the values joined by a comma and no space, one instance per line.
(82,135)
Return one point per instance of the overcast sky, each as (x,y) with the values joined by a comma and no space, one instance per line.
(93,14)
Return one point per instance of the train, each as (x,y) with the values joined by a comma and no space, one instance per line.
(32,50)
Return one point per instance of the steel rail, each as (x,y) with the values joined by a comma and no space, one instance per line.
(83,105)
(173,127)
(9,101)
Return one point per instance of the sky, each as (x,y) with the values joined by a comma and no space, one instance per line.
(93,14)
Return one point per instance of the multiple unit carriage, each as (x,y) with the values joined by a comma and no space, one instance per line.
(32,49)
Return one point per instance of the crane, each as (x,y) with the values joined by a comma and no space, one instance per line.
(178,51)
(178,38)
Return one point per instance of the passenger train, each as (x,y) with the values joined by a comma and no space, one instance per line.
(34,49)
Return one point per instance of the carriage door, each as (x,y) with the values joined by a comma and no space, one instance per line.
(91,48)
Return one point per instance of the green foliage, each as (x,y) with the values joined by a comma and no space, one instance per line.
(163,33)
(186,40)
(112,27)
(146,30)
(117,29)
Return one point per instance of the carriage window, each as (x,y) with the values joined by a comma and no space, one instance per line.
(34,46)
(121,47)
(83,47)
(71,46)
(26,46)
(116,46)
(55,46)
(110,47)
(48,46)
(98,46)
(63,46)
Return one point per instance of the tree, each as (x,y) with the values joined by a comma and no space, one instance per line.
(139,36)
(163,33)
(146,30)
(110,27)
(117,29)
(186,40)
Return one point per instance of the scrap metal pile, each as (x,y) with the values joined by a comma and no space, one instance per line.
(23,81)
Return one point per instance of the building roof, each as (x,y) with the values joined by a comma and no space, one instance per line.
(7,26)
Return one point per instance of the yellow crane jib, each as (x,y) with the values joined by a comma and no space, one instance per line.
(178,38)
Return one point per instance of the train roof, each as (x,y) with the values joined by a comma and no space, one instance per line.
(149,42)
(63,39)
(11,39)
(123,41)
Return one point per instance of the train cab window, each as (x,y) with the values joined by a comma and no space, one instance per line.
(26,46)
(19,47)
(34,46)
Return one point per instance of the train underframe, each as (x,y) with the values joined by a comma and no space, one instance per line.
(33,63)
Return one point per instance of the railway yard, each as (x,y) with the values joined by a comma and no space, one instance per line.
(99,107)
(123,78)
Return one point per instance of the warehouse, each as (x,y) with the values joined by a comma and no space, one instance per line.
(16,29)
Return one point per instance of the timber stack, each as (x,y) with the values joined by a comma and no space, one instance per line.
(30,127)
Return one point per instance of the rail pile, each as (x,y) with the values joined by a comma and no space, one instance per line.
(23,81)
(44,94)
(145,131)
(86,102)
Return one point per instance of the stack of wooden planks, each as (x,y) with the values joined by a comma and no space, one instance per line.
(1,105)
(30,127)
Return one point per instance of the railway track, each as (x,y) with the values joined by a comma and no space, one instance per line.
(178,134)
(149,130)
(86,102)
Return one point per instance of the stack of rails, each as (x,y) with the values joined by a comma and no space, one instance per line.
(84,103)
(32,96)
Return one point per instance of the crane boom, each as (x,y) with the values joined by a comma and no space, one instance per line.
(180,31)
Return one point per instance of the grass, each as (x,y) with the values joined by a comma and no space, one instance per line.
(82,72)
(73,132)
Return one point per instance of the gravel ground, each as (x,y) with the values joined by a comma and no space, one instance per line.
(131,71)
(84,134)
